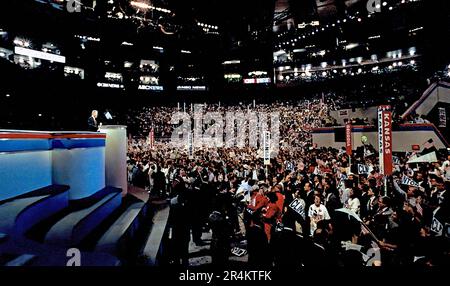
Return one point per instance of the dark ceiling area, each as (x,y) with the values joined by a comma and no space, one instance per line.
(144,51)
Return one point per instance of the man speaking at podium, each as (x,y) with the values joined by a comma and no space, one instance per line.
(93,125)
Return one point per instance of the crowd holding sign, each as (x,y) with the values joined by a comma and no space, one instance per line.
(151,138)
(266,148)
(321,177)
(348,139)
(409,182)
(190,145)
(385,139)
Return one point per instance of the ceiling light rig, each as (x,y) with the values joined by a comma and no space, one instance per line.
(144,15)
(320,27)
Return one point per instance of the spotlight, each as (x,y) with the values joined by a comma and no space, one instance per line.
(8,95)
(412,62)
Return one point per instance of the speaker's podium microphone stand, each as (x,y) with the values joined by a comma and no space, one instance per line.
(116,156)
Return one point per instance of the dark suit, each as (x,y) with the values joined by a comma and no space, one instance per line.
(92,124)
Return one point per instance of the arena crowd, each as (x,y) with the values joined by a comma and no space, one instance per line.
(310,206)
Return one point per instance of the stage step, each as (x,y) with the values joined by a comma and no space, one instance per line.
(22,260)
(21,213)
(76,226)
(3,237)
(123,229)
(152,248)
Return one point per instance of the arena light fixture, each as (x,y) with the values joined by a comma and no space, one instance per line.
(39,55)
(231,62)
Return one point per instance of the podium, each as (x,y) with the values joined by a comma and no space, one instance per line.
(116,156)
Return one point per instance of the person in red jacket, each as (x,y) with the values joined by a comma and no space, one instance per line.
(258,201)
(280,201)
(273,212)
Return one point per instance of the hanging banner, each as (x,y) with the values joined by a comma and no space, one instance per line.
(348,139)
(442,117)
(385,139)
(266,148)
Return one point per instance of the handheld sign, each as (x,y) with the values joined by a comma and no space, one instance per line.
(266,148)
(364,139)
(363,169)
(385,139)
(348,139)
(298,205)
(409,182)
(190,146)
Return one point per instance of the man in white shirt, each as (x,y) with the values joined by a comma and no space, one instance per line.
(316,213)
(445,168)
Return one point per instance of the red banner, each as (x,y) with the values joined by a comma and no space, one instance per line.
(348,139)
(385,139)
